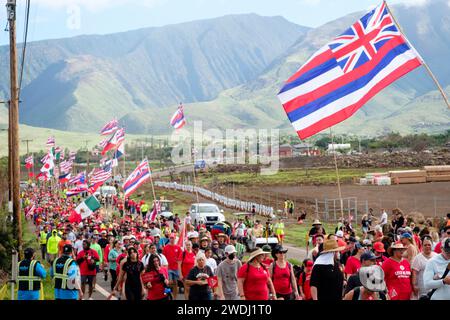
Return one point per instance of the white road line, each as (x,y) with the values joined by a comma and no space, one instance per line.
(104,292)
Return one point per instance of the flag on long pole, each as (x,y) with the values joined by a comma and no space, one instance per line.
(347,72)
(178,120)
(138,177)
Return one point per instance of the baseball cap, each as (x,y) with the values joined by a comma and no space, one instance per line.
(172,236)
(230,249)
(340,234)
(367,242)
(368,255)
(67,249)
(406,235)
(309,264)
(358,245)
(378,247)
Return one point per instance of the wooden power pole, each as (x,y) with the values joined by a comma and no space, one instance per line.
(14,125)
(27,142)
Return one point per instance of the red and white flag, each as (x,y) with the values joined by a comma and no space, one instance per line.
(29,162)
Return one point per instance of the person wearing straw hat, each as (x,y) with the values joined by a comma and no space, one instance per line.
(254,281)
(327,279)
(316,229)
(372,286)
(398,274)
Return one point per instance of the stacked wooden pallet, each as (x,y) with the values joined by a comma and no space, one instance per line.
(408,176)
(437,173)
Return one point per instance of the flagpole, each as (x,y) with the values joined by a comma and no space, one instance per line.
(427,68)
(337,175)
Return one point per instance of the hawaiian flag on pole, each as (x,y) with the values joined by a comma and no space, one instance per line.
(155,211)
(138,177)
(178,120)
(110,127)
(29,162)
(66,166)
(115,141)
(77,190)
(72,155)
(347,72)
(118,154)
(51,142)
(100,176)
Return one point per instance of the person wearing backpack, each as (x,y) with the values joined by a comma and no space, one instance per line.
(372,286)
(87,259)
(304,280)
(282,275)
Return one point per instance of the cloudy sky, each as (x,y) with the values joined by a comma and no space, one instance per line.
(66,18)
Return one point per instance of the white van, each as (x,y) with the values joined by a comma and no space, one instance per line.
(108,191)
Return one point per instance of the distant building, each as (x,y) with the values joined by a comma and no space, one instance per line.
(339,147)
(305,149)
(286,151)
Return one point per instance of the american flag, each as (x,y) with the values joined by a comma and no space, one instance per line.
(51,142)
(100,176)
(79,178)
(347,72)
(109,128)
(66,166)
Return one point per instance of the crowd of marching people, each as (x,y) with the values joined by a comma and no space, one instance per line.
(164,260)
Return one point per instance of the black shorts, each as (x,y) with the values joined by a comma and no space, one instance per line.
(285,296)
(87,279)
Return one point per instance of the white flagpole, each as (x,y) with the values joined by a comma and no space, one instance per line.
(421,59)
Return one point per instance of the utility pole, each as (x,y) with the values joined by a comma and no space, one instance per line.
(14,125)
(27,141)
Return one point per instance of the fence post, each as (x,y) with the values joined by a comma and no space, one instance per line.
(367,206)
(356,210)
(14,272)
(435,207)
(326,209)
(334,208)
(317,208)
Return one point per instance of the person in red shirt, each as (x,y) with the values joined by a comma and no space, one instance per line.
(173,254)
(305,279)
(87,259)
(254,280)
(438,247)
(187,263)
(155,279)
(378,248)
(282,275)
(354,263)
(397,271)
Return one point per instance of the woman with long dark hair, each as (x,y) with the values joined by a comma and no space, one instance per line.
(130,272)
(155,280)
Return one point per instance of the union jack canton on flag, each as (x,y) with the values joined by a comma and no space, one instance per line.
(347,72)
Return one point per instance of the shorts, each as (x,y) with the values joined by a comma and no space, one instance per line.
(87,279)
(174,275)
(285,296)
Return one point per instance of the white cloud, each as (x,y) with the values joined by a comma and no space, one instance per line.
(97,5)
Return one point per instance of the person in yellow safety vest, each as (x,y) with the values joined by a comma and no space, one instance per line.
(279,230)
(30,276)
(52,245)
(286,206)
(43,242)
(66,273)
(144,210)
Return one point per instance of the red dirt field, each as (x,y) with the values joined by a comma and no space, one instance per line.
(431,199)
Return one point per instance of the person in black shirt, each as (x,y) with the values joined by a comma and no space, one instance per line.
(316,229)
(327,279)
(133,268)
(367,259)
(197,279)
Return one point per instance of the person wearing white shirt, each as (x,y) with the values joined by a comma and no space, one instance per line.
(418,267)
(151,249)
(210,261)
(434,271)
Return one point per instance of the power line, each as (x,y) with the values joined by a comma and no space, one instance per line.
(24,47)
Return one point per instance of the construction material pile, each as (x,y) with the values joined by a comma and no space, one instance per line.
(437,173)
(408,176)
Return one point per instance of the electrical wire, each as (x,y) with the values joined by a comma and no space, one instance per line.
(24,44)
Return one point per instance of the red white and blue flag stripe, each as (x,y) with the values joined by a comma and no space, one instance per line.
(51,142)
(138,177)
(78,179)
(109,128)
(347,72)
(77,190)
(178,120)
